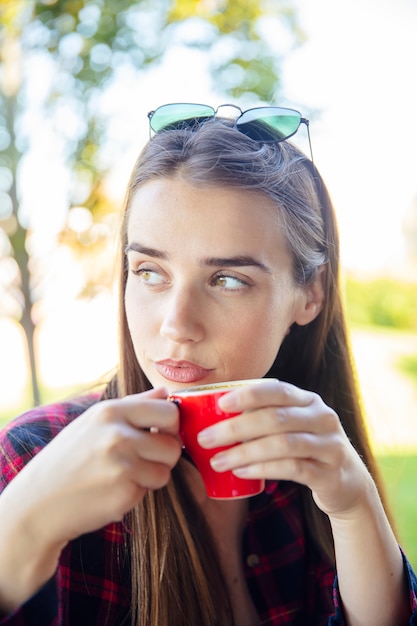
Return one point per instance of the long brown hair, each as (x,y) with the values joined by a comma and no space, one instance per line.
(172,548)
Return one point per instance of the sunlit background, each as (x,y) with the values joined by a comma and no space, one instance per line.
(354,76)
(352,73)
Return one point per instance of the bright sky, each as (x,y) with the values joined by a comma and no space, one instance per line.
(358,72)
(355,78)
(356,75)
(359,68)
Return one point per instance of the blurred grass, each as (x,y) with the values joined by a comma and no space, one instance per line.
(388,303)
(408,365)
(384,302)
(48,396)
(399,473)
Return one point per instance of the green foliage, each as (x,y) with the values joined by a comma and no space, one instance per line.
(244,75)
(85,44)
(408,365)
(399,474)
(382,302)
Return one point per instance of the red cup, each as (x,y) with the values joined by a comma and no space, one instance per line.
(198,407)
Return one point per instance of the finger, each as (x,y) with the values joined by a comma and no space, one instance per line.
(275,448)
(334,488)
(158,447)
(161,393)
(266,393)
(145,411)
(150,475)
(124,443)
(125,488)
(315,418)
(307,472)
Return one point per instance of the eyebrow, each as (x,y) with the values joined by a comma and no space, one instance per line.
(137,247)
(234,261)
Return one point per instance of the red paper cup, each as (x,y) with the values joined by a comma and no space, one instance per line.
(198,407)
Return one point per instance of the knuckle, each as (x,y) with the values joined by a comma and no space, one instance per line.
(332,419)
(286,392)
(303,469)
(329,414)
(117,473)
(288,442)
(114,439)
(233,427)
(278,416)
(242,453)
(252,394)
(316,399)
(108,411)
(297,467)
(339,451)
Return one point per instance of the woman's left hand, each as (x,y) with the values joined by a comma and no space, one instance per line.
(287,433)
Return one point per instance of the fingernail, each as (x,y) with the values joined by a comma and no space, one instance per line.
(219,462)
(206,438)
(228,402)
(241,472)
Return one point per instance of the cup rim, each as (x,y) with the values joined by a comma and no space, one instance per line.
(200,390)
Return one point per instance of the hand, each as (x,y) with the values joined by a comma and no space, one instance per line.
(98,467)
(290,434)
(93,472)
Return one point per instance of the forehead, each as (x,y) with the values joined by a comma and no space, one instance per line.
(188,223)
(164,202)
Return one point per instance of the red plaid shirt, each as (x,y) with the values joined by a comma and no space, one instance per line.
(289,580)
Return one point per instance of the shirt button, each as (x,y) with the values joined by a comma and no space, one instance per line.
(252,560)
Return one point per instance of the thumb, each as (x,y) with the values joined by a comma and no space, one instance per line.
(159,393)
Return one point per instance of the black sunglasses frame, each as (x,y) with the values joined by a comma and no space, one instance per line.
(189,120)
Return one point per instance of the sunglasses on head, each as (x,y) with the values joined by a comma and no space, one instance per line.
(267,124)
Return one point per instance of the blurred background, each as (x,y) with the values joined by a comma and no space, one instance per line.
(77,78)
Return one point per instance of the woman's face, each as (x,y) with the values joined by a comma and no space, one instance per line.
(210,294)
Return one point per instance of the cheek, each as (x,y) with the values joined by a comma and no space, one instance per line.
(271,328)
(260,337)
(136,316)
(129,307)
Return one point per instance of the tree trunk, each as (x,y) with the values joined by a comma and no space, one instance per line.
(26,319)
(18,242)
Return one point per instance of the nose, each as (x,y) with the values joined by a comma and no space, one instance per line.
(183,319)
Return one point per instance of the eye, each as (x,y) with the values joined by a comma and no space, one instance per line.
(149,276)
(231,283)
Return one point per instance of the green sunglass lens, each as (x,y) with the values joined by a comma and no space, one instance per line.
(174,116)
(267,126)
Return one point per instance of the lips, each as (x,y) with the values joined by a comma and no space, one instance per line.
(181,371)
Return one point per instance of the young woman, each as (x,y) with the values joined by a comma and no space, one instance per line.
(228,270)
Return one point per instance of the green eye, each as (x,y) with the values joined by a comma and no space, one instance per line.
(149,277)
(146,275)
(228,282)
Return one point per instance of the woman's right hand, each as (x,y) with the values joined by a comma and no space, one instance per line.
(92,473)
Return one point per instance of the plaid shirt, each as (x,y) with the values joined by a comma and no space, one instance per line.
(289,580)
